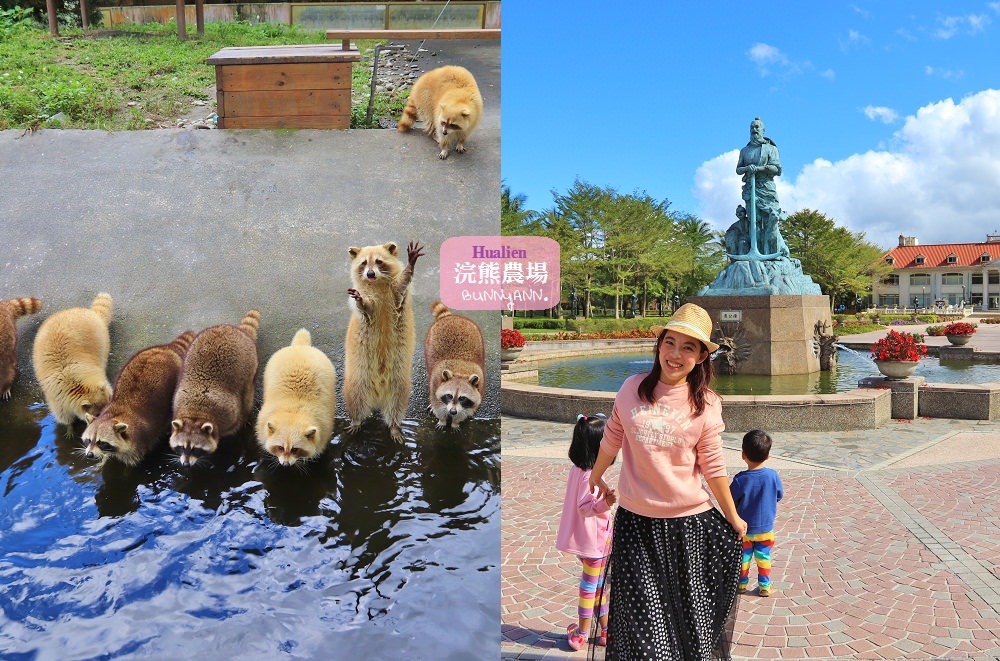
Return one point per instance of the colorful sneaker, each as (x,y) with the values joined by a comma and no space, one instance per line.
(576,637)
(763,591)
(602,639)
(741,589)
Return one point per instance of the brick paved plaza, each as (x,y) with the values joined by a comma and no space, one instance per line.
(887,544)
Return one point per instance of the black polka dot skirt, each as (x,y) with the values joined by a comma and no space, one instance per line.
(673,588)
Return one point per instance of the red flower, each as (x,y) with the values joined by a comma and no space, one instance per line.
(899,346)
(511,339)
(960,328)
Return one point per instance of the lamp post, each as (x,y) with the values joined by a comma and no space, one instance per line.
(923,297)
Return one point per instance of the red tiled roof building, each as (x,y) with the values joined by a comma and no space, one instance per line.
(941,275)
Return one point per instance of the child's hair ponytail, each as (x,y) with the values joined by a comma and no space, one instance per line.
(587,435)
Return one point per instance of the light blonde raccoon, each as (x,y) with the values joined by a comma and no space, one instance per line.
(378,348)
(70,359)
(448,101)
(295,422)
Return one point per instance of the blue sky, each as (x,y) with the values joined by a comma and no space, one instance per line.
(887,114)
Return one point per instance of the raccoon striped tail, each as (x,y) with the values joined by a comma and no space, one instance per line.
(302,338)
(102,306)
(182,342)
(24,305)
(250,323)
(439,309)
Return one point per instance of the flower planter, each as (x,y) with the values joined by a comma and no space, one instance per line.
(959,340)
(896,369)
(508,355)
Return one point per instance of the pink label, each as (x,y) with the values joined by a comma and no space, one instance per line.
(500,273)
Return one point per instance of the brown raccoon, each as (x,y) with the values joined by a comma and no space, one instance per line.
(10,310)
(455,358)
(70,357)
(448,101)
(215,391)
(138,415)
(300,402)
(378,350)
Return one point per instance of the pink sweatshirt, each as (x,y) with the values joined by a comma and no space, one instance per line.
(665,451)
(585,526)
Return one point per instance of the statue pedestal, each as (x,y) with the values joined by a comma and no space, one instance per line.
(779,331)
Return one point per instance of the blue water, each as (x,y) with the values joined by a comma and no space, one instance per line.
(607,371)
(374,551)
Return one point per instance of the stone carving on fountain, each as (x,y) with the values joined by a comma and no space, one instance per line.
(759,260)
(825,345)
(733,348)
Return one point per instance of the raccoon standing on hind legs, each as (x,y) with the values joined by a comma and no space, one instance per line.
(378,349)
(10,310)
(455,358)
(448,102)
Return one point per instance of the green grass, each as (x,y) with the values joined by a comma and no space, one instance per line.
(142,77)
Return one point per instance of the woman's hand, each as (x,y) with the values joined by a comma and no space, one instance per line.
(738,524)
(602,487)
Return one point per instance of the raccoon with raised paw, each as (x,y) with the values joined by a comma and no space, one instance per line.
(10,311)
(70,358)
(455,358)
(448,102)
(378,349)
(138,416)
(216,388)
(300,402)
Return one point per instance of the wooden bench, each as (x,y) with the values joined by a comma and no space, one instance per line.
(300,86)
(411,35)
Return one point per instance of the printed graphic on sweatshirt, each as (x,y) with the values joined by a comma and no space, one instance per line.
(660,424)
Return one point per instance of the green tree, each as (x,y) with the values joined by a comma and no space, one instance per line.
(515,218)
(841,262)
(699,252)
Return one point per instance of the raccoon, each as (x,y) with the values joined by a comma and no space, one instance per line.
(70,358)
(448,101)
(455,358)
(215,391)
(378,349)
(138,415)
(10,310)
(300,402)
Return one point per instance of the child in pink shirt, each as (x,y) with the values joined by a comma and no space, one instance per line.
(585,529)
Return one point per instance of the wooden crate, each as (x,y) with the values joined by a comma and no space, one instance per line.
(302,86)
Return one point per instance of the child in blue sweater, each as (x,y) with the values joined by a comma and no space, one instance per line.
(756,492)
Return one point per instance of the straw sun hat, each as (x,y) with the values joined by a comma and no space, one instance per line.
(693,321)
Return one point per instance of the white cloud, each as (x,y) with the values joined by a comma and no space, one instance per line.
(938,184)
(949,26)
(880,113)
(947,74)
(854,40)
(765,56)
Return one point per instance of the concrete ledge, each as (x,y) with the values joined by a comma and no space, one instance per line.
(904,393)
(857,409)
(967,402)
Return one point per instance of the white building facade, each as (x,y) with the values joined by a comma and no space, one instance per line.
(940,275)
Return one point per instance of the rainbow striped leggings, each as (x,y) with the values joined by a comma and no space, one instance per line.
(758,545)
(592,580)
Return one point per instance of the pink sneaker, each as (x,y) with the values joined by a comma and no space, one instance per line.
(576,637)
(602,639)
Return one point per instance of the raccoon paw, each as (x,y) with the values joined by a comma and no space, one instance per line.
(460,149)
(443,155)
(397,434)
(5,395)
(353,428)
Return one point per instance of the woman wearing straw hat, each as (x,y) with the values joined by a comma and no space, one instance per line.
(675,560)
